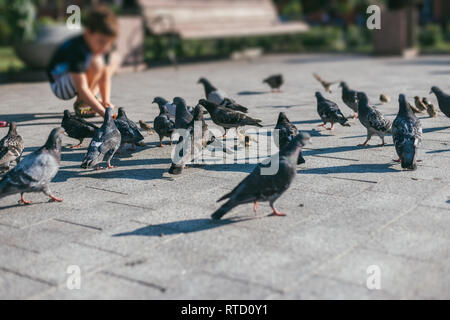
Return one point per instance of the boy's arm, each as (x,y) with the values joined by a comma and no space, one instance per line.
(105,86)
(85,94)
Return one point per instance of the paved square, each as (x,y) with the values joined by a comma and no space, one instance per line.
(137,232)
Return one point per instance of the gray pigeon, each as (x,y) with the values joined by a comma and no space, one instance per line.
(170,107)
(266,187)
(407,134)
(372,119)
(11,148)
(195,140)
(129,131)
(77,128)
(349,97)
(275,82)
(329,112)
(227,118)
(443,100)
(35,171)
(104,144)
(219,97)
(163,125)
(287,132)
(182,116)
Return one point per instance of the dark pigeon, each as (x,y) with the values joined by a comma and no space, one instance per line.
(407,134)
(264,187)
(11,148)
(219,97)
(129,131)
(182,116)
(170,107)
(287,132)
(163,126)
(372,119)
(104,144)
(275,82)
(77,128)
(329,112)
(443,100)
(35,171)
(350,98)
(227,118)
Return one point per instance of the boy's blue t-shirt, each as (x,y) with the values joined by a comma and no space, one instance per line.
(73,56)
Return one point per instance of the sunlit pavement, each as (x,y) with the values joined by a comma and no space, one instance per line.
(357,226)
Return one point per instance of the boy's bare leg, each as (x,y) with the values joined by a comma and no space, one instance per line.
(93,74)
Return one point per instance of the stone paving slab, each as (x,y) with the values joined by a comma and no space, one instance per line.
(138,232)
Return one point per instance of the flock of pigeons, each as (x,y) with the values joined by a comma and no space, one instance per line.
(34,172)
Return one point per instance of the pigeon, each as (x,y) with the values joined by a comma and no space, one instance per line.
(431,109)
(195,141)
(287,132)
(258,186)
(419,104)
(407,134)
(326,84)
(443,100)
(77,128)
(182,116)
(163,125)
(227,118)
(129,131)
(349,98)
(35,171)
(413,108)
(11,148)
(171,108)
(372,119)
(146,127)
(275,82)
(384,98)
(104,144)
(329,112)
(219,97)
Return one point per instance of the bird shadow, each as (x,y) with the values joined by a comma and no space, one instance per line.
(307,121)
(427,130)
(249,93)
(130,174)
(311,152)
(182,226)
(17,204)
(352,168)
(439,151)
(22,117)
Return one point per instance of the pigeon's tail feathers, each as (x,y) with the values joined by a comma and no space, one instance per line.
(343,121)
(240,108)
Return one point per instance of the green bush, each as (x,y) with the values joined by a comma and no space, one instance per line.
(430,35)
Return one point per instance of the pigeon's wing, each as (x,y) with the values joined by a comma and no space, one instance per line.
(377,121)
(217,97)
(111,141)
(225,117)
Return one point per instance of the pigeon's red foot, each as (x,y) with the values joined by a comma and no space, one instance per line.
(23,201)
(355,116)
(363,144)
(75,146)
(381,145)
(321,125)
(55,198)
(111,166)
(397,160)
(255,207)
(99,168)
(277,213)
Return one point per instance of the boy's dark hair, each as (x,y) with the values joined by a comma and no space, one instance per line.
(102,20)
